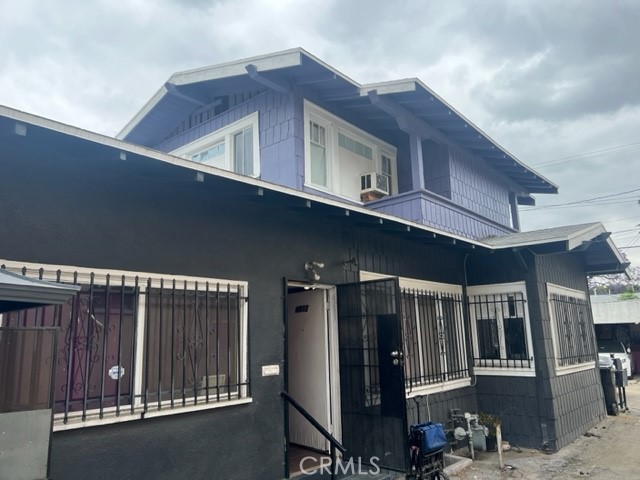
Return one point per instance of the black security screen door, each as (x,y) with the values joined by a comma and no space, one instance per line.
(371,373)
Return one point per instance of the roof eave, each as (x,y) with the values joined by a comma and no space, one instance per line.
(142,113)
(415,84)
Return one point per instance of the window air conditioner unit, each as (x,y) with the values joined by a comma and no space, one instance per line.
(373,185)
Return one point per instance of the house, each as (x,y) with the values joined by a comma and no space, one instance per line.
(267,226)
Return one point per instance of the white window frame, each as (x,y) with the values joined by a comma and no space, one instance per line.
(226,135)
(570,292)
(392,174)
(502,289)
(83,276)
(436,287)
(330,151)
(333,126)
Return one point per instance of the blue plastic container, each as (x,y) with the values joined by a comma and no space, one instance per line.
(428,436)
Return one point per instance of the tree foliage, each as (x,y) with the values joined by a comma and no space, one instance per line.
(616,284)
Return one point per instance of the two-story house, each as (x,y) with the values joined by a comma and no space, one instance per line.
(270,225)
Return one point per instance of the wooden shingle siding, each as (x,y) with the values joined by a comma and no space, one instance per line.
(278,137)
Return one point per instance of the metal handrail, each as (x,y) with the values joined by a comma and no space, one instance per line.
(335,444)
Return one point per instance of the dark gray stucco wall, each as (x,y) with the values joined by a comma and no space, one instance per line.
(437,407)
(515,401)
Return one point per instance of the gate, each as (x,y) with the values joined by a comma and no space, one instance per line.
(374,421)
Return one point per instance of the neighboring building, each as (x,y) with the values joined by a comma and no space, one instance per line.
(618,320)
(355,246)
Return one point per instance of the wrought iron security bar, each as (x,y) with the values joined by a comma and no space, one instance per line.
(501,330)
(574,331)
(434,337)
(132,345)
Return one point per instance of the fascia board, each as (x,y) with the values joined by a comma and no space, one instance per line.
(589,233)
(390,87)
(288,58)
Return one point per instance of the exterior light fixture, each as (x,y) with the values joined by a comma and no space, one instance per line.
(312,270)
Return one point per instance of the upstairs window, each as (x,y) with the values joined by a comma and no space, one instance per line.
(243,151)
(213,155)
(355,146)
(235,147)
(318,152)
(386,168)
(338,154)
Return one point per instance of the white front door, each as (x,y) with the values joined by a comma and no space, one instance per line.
(308,366)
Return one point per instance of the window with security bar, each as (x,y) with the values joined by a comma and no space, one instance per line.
(137,344)
(434,337)
(500,326)
(573,331)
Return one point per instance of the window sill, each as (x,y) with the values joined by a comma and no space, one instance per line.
(93,420)
(575,368)
(439,387)
(505,372)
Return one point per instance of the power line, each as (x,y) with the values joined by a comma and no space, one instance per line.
(586,200)
(623,219)
(625,231)
(578,205)
(606,150)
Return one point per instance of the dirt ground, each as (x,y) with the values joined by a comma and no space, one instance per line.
(608,451)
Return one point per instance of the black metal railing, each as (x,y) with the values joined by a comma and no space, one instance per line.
(335,444)
(131,344)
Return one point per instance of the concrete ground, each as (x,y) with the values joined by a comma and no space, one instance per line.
(608,451)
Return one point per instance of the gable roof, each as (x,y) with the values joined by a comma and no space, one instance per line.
(590,240)
(408,105)
(48,139)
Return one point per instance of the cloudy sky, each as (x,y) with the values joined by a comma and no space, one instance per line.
(557,83)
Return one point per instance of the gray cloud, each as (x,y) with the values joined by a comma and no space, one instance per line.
(579,58)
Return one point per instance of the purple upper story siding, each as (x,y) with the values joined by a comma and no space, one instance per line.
(277,141)
(471,199)
(436,211)
(478,188)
